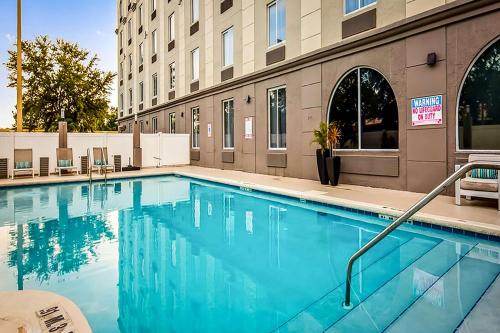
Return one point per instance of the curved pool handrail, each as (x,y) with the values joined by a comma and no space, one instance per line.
(409,213)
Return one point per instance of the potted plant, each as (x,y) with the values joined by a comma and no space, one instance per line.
(320,137)
(333,161)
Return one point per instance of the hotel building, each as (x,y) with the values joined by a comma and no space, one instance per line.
(413,84)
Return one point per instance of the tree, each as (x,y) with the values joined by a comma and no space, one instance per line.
(61,77)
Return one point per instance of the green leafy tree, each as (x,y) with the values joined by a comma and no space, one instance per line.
(61,77)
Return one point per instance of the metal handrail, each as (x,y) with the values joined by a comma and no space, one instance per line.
(105,162)
(409,213)
(89,166)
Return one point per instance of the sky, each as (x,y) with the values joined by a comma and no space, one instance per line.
(90,23)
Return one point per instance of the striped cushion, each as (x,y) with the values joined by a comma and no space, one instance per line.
(484,173)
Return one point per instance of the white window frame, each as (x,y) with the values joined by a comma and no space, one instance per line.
(141,92)
(154,124)
(121,70)
(195,16)
(358,71)
(121,39)
(193,109)
(224,33)
(130,63)
(193,77)
(130,97)
(154,42)
(269,46)
(171,78)
(140,15)
(459,93)
(277,117)
(154,84)
(171,27)
(223,126)
(359,7)
(129,29)
(141,53)
(170,122)
(141,126)
(121,102)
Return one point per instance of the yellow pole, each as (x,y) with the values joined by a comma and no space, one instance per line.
(19,71)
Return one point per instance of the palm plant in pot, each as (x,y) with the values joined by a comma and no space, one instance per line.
(333,161)
(320,137)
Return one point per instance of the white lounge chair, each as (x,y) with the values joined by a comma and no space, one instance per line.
(23,162)
(480,183)
(101,160)
(65,160)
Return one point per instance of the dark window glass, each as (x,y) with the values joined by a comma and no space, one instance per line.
(479,105)
(344,110)
(377,110)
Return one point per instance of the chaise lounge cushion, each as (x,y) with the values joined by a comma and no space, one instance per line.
(23,165)
(479,184)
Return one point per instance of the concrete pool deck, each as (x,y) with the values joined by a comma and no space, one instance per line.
(478,216)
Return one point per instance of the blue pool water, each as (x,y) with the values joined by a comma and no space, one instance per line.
(172,254)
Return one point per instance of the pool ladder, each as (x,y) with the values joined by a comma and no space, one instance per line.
(406,215)
(105,162)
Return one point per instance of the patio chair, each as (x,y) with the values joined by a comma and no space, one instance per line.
(101,160)
(482,183)
(23,162)
(65,160)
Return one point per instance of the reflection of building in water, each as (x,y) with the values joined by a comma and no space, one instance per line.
(223,259)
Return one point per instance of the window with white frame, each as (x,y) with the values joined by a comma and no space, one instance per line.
(153,5)
(141,126)
(228,124)
(155,84)
(121,8)
(171,27)
(171,122)
(130,63)
(140,15)
(171,69)
(141,53)
(353,5)
(129,29)
(276,22)
(154,42)
(120,102)
(227,47)
(130,127)
(121,70)
(195,64)
(130,97)
(195,127)
(276,104)
(154,124)
(121,38)
(141,92)
(195,10)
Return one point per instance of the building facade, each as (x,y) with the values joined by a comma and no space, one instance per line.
(411,83)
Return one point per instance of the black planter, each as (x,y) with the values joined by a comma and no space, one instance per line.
(321,161)
(333,169)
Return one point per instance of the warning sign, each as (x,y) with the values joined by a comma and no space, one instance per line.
(427,110)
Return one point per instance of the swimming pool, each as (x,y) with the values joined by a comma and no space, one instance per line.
(174,254)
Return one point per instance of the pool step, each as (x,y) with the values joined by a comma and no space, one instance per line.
(379,310)
(484,315)
(319,315)
(444,305)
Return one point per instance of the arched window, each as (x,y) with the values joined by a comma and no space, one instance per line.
(364,96)
(479,103)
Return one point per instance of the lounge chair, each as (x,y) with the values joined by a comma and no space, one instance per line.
(65,160)
(23,162)
(101,160)
(483,183)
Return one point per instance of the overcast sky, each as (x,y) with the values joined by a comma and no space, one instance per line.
(90,23)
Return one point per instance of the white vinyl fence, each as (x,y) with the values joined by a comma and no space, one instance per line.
(171,149)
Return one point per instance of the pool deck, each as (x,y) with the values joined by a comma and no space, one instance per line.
(477,216)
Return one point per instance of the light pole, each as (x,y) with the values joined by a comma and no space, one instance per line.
(19,71)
